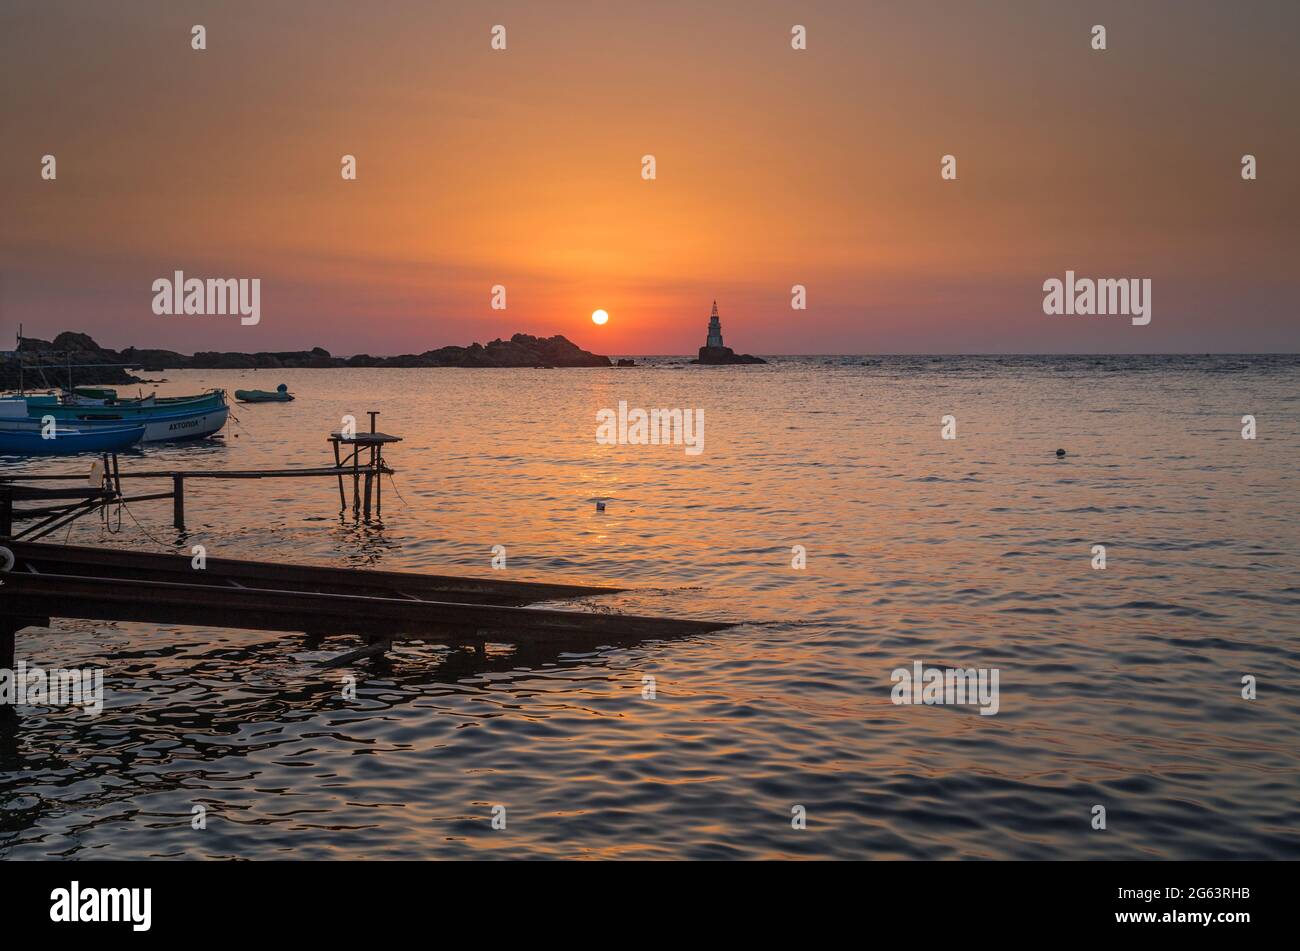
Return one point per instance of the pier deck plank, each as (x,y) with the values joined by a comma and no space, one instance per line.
(109,563)
(94,584)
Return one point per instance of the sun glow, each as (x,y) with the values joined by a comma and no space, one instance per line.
(599,316)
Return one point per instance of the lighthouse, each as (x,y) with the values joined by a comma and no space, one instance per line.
(713,353)
(715,329)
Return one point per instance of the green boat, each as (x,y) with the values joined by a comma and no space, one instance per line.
(95,393)
(164,418)
(281,395)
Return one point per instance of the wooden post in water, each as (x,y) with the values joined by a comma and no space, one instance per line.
(8,712)
(338,464)
(370,470)
(6,511)
(7,631)
(356,481)
(178,502)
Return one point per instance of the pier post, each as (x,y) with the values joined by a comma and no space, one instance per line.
(7,631)
(6,512)
(8,713)
(338,464)
(178,502)
(370,468)
(356,481)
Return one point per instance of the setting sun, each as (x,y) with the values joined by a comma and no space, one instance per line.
(599,316)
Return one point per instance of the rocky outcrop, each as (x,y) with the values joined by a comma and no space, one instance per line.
(521,350)
(721,356)
(44,363)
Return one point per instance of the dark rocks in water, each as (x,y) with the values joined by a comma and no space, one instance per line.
(626,363)
(521,350)
(154,360)
(316,358)
(720,356)
(44,363)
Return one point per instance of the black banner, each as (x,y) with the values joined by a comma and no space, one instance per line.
(1218,901)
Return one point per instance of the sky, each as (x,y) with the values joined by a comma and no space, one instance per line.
(774,167)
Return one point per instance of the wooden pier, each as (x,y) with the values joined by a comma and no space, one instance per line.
(49,581)
(39,582)
(103,485)
(112,585)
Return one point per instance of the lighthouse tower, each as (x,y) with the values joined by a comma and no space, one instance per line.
(715,329)
(713,353)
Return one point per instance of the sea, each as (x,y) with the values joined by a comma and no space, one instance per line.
(852,517)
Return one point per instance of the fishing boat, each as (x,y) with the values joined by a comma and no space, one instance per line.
(67,442)
(281,395)
(93,393)
(164,418)
(20,435)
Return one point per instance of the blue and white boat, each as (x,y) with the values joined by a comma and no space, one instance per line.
(67,442)
(163,418)
(21,435)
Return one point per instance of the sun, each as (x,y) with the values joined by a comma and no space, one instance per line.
(599,316)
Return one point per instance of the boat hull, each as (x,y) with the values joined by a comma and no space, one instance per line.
(185,425)
(123,411)
(67,442)
(262,396)
(167,422)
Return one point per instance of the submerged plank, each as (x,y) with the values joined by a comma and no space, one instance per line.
(267,609)
(150,566)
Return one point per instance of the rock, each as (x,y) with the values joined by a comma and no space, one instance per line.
(41,361)
(211,360)
(155,360)
(720,356)
(521,350)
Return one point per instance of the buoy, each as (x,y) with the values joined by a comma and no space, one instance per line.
(1060,453)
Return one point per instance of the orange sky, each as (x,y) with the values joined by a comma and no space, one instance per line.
(775,167)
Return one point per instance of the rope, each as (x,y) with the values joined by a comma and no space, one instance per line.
(123,505)
(103,517)
(393,483)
